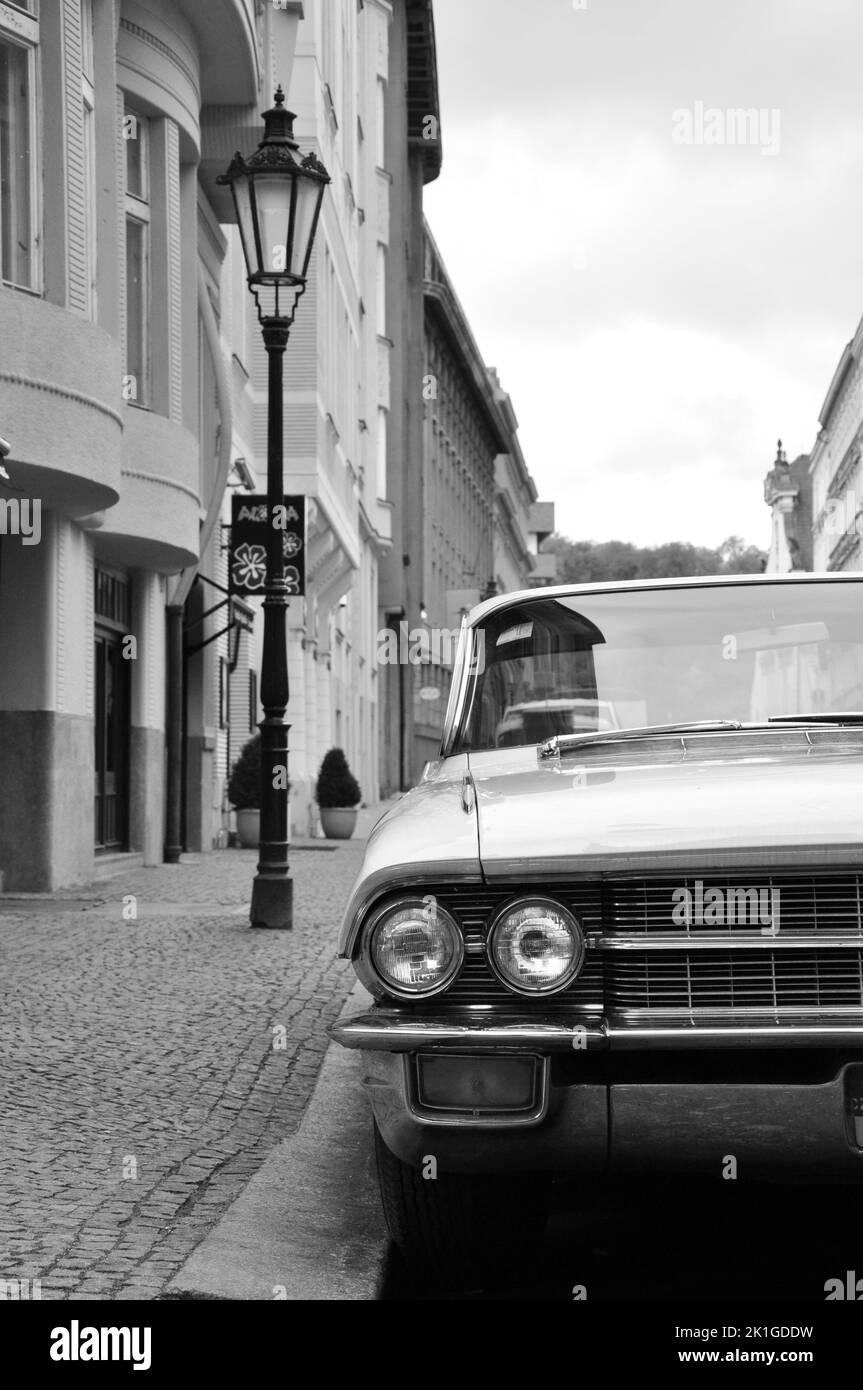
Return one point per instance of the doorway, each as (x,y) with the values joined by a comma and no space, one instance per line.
(112,714)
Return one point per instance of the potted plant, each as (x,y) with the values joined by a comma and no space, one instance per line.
(337,794)
(244,792)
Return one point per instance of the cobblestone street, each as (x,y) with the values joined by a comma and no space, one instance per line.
(150,1065)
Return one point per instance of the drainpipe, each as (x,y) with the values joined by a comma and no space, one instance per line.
(177,600)
(174,740)
(403,779)
(394,617)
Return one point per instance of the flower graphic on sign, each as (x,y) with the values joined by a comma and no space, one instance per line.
(292,544)
(249,566)
(292,576)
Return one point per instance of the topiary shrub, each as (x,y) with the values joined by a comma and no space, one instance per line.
(244,786)
(336,785)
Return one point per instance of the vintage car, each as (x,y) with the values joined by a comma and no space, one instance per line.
(535,720)
(636,950)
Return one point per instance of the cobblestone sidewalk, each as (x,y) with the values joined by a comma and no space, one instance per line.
(148,1065)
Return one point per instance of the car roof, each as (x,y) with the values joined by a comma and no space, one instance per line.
(697,581)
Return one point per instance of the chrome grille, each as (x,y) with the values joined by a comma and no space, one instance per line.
(716,982)
(807,902)
(627,985)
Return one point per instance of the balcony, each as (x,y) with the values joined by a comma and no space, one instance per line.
(60,387)
(156,523)
(544,571)
(541,520)
(228,45)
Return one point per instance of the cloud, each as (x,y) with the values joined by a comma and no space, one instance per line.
(657,311)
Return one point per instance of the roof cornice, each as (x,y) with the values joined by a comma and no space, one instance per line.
(423,97)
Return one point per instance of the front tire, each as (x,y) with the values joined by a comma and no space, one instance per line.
(462,1228)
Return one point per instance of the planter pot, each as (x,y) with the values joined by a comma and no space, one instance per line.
(338,821)
(249,828)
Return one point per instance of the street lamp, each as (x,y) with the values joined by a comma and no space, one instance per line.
(277,197)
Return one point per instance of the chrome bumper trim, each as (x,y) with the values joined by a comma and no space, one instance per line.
(725,941)
(383,1032)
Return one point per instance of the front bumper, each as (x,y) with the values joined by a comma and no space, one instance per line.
(393,1030)
(772,1116)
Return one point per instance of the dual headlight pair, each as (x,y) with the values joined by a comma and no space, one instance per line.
(535,946)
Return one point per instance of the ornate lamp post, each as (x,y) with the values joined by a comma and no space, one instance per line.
(277,197)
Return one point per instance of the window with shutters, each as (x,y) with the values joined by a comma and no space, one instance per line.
(136,132)
(88,102)
(19,238)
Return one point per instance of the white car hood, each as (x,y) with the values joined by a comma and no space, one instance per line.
(644,804)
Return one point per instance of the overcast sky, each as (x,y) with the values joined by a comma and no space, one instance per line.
(659,311)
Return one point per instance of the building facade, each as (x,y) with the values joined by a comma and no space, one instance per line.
(521,523)
(816,502)
(132,395)
(835,467)
(103,310)
(788,494)
(364,80)
(470,524)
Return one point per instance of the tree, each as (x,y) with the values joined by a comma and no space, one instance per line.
(589,562)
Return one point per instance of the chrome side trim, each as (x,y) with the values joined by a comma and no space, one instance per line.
(460,675)
(724,941)
(526,870)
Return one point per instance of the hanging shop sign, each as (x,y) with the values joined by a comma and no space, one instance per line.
(247,568)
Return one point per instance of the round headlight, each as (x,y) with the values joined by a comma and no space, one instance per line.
(415,946)
(536,946)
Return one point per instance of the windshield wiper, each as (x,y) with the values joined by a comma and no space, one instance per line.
(552,747)
(847,716)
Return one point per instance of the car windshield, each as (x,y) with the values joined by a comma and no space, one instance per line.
(633,658)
